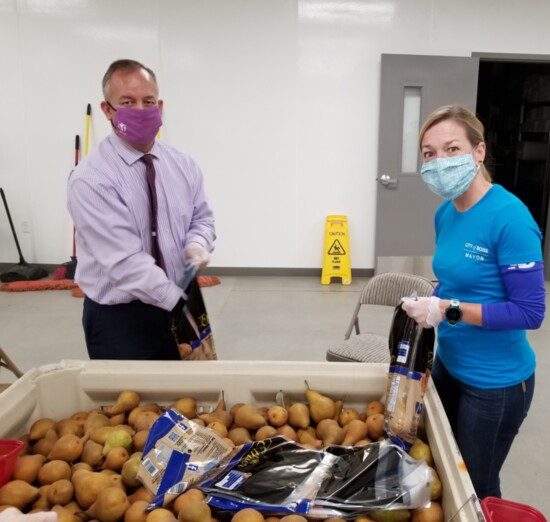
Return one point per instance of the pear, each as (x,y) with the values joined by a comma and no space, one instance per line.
(421,451)
(306,438)
(195,511)
(375,425)
(116,458)
(40,427)
(141,493)
(265,432)
(115,420)
(126,401)
(248,515)
(80,465)
(117,438)
(435,493)
(100,434)
(320,406)
(355,431)
(18,493)
(94,420)
(219,414)
(67,448)
(219,428)
(65,515)
(235,407)
(134,414)
(294,518)
(186,406)
(374,407)
(186,497)
(26,467)
(42,447)
(88,484)
(161,515)
(347,415)
(288,431)
(277,416)
(79,416)
(298,415)
(42,503)
(140,439)
(433,513)
(247,416)
(145,420)
(137,512)
(53,471)
(330,432)
(60,492)
(92,454)
(394,515)
(70,426)
(338,407)
(110,505)
(130,470)
(239,435)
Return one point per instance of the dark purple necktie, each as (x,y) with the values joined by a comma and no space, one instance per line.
(150,173)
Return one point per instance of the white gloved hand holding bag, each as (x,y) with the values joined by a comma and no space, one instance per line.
(424,310)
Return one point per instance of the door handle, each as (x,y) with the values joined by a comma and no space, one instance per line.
(387,180)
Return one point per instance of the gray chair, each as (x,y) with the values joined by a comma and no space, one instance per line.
(386,290)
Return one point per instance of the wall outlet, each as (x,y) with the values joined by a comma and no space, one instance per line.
(25,227)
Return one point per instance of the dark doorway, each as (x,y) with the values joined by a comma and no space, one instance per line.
(514,104)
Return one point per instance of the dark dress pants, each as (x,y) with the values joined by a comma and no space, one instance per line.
(132,331)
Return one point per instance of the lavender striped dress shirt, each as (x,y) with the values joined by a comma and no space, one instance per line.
(109,203)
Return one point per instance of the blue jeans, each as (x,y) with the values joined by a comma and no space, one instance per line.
(484,423)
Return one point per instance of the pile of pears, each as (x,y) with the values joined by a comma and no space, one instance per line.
(84,467)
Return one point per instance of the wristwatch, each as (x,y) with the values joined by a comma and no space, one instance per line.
(453,313)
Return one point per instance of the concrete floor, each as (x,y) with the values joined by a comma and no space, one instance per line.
(272,318)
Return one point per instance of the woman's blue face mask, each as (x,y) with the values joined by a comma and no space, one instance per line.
(450,177)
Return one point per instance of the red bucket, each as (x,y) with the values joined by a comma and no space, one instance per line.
(9,451)
(499,510)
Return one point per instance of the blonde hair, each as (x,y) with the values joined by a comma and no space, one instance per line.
(474,128)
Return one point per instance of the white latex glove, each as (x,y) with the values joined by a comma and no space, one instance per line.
(424,310)
(14,515)
(196,255)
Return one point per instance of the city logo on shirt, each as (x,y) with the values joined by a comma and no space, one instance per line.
(521,266)
(475,252)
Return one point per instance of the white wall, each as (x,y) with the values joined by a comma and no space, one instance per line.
(276,99)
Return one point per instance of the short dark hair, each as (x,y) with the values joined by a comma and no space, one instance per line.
(126,66)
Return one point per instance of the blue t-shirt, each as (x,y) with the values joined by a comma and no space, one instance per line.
(470,248)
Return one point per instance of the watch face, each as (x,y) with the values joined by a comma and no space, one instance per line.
(453,315)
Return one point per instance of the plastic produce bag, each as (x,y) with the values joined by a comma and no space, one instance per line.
(412,352)
(274,475)
(177,454)
(192,330)
(378,476)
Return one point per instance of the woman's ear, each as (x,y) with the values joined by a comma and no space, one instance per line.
(479,153)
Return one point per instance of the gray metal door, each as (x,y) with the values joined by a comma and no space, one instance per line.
(411,88)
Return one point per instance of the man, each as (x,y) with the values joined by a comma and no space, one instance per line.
(141,216)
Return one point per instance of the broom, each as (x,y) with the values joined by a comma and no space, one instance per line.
(23,271)
(67,270)
(77,292)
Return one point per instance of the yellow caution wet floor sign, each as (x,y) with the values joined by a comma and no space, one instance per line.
(336,251)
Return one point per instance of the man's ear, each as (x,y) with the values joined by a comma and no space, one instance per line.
(160,104)
(106,109)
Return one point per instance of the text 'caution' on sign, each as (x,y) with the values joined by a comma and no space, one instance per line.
(336,251)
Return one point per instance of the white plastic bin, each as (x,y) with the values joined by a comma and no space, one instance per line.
(59,390)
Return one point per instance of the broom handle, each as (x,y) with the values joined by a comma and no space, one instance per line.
(87,133)
(21,260)
(76,157)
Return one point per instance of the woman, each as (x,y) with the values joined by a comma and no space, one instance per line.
(488,262)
